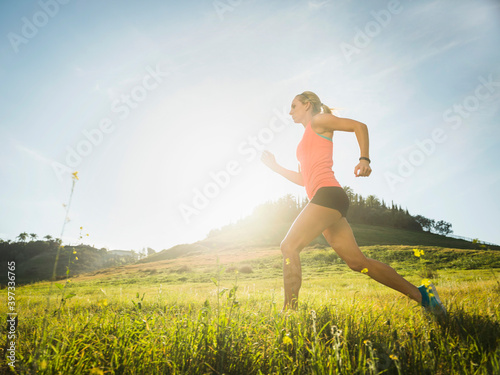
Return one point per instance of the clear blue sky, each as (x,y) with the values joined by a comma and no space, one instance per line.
(149,101)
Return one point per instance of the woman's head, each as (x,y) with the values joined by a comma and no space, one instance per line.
(315,104)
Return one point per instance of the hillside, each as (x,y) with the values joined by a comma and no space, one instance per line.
(259,232)
(232,244)
(266,263)
(35,260)
(366,235)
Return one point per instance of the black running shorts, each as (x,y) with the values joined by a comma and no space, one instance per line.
(332,197)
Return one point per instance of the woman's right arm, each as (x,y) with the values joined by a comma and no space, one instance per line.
(268,159)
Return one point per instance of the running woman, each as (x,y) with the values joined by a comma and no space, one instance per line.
(328,203)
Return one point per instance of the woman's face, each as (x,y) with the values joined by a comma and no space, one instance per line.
(298,110)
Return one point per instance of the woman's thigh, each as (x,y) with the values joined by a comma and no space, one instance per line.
(310,223)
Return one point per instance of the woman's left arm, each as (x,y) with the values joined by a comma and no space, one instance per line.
(328,122)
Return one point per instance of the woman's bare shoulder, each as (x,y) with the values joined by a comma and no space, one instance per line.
(324,122)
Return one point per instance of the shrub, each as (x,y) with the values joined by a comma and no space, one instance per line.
(183,269)
(246,269)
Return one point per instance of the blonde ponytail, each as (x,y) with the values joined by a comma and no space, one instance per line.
(317,106)
(325,108)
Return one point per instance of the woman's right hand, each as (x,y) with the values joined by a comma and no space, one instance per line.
(268,159)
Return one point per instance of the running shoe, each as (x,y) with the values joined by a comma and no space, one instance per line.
(431,301)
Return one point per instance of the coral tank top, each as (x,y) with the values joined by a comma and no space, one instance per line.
(315,155)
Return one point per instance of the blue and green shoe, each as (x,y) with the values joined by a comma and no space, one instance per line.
(431,301)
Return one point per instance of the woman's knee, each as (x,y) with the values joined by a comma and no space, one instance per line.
(358,264)
(289,247)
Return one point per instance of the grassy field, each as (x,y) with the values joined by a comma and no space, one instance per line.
(200,315)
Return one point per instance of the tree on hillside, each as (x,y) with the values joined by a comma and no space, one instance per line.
(425,222)
(48,237)
(134,255)
(22,237)
(443,227)
(302,203)
(287,207)
(384,206)
(360,201)
(270,219)
(33,236)
(142,253)
(350,193)
(284,209)
(150,251)
(372,201)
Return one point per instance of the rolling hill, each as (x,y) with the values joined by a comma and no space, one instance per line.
(254,237)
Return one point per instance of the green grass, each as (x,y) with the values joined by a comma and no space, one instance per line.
(218,322)
(267,262)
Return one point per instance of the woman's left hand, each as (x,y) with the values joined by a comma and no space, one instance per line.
(362,169)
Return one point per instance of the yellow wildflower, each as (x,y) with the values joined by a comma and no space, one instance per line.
(364,270)
(76,258)
(426,283)
(287,261)
(287,340)
(75,175)
(393,357)
(74,251)
(418,252)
